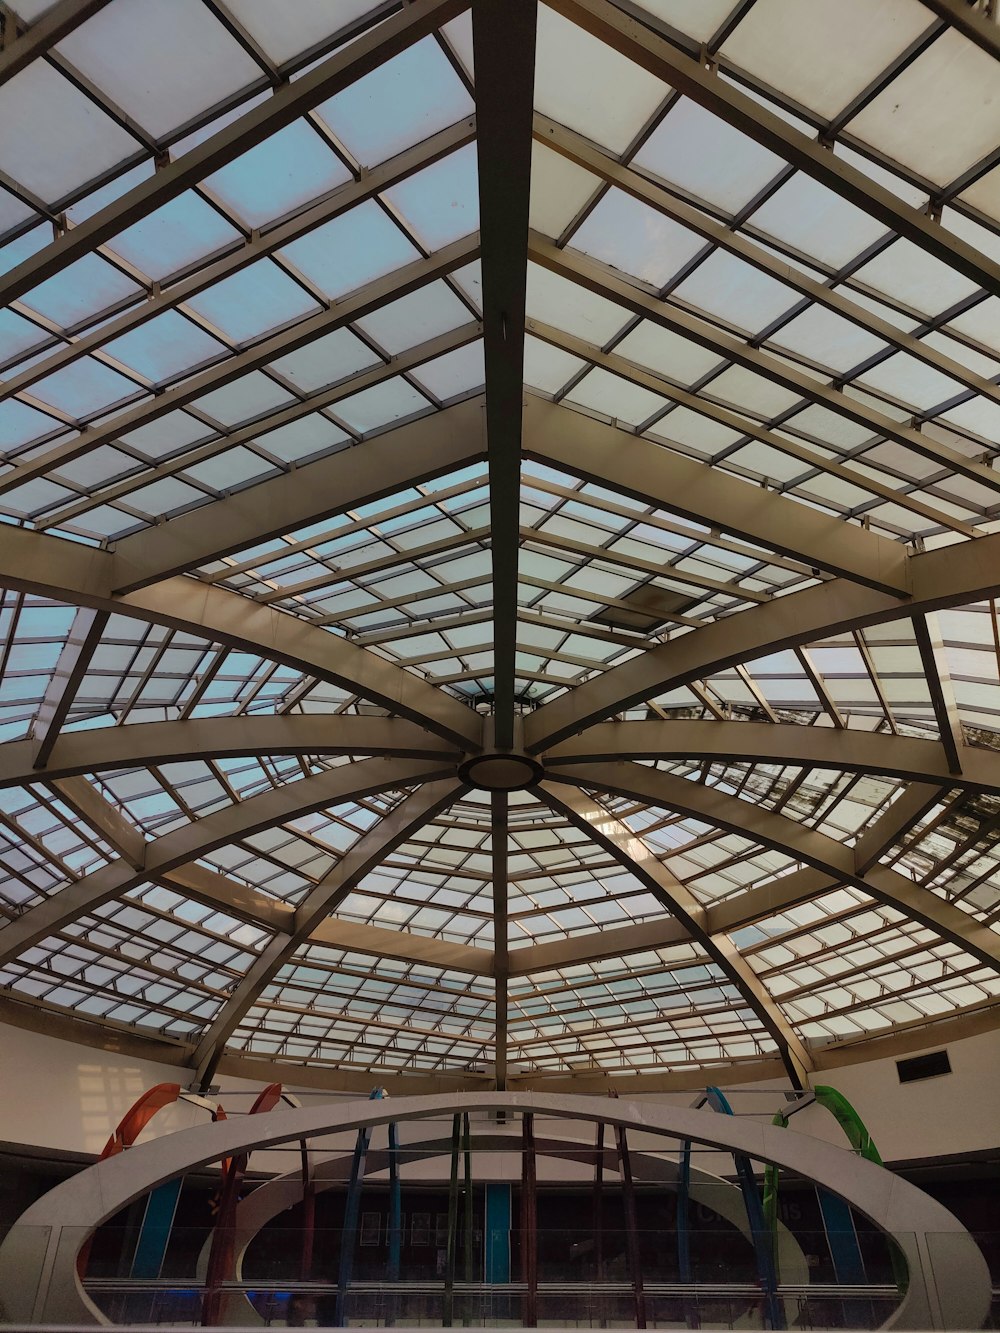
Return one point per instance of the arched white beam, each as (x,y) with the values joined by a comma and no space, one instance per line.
(148,743)
(951,576)
(853,751)
(368,852)
(625,462)
(829,859)
(38,1259)
(639,43)
(191,841)
(633,855)
(68,572)
(417,451)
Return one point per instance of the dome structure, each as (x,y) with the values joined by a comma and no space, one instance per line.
(500,535)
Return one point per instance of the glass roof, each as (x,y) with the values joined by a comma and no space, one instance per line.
(499,524)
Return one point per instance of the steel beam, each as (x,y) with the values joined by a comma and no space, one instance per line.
(338,71)
(605,282)
(575,148)
(943,701)
(624,462)
(951,576)
(720,96)
(594,945)
(835,862)
(107,821)
(979,27)
(367,299)
(854,751)
(901,817)
(55,24)
(346,783)
(68,572)
(499,849)
(504,47)
(146,744)
(635,857)
(74,659)
(410,454)
(323,900)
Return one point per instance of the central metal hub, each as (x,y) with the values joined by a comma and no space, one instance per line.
(501,771)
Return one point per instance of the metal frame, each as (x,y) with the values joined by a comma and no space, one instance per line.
(240,574)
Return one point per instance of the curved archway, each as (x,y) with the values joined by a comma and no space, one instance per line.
(38,1279)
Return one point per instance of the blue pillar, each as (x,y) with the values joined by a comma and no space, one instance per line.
(151,1247)
(497,1233)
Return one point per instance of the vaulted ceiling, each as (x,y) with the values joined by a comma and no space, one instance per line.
(500,534)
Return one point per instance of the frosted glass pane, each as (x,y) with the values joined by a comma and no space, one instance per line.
(939,116)
(816,222)
(617,398)
(584,84)
(303,438)
(741,295)
(824,53)
(380,405)
(559,190)
(244,399)
(254,301)
(635,238)
(71,139)
(911,276)
(289,169)
(667,353)
(455,373)
(441,203)
(165,346)
(405,100)
(174,236)
(351,250)
(548,368)
(707,158)
(17,334)
(12,211)
(20,423)
(83,388)
(325,360)
(699,19)
(416,318)
(83,289)
(288,30)
(828,339)
(162,64)
(555,300)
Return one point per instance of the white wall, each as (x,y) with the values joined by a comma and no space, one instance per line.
(63,1096)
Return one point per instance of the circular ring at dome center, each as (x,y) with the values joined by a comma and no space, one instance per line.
(501,772)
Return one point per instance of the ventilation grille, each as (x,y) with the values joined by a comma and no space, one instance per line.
(923,1066)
